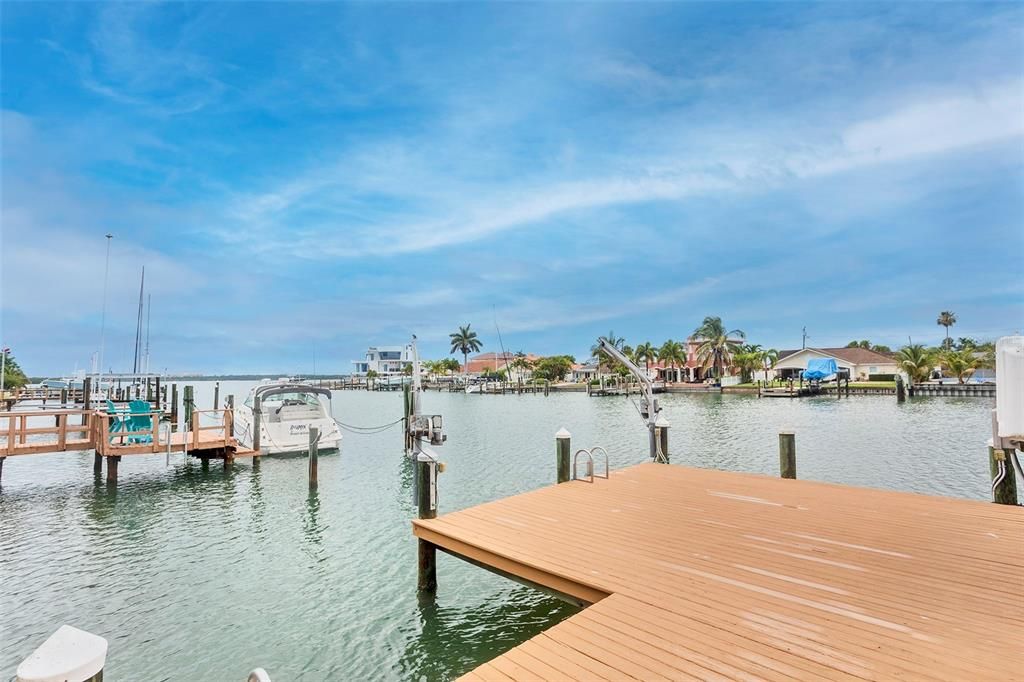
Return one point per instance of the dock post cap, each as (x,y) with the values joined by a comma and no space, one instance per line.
(661,421)
(787,432)
(258,675)
(68,655)
(563,433)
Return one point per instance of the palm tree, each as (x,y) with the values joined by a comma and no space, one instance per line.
(768,360)
(947,318)
(917,361)
(717,345)
(672,352)
(645,352)
(465,342)
(960,363)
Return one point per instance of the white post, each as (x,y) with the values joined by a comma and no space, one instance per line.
(69,654)
(3,369)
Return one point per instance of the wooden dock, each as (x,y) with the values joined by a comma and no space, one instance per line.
(693,574)
(22,432)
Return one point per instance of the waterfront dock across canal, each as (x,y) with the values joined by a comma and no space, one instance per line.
(40,431)
(699,574)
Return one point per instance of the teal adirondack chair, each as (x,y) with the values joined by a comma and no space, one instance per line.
(140,420)
(117,424)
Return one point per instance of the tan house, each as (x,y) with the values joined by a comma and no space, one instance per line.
(858,364)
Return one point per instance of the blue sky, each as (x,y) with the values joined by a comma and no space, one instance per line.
(306,179)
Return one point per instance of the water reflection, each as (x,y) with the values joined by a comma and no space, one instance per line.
(454,640)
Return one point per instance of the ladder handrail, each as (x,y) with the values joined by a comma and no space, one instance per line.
(607,468)
(590,465)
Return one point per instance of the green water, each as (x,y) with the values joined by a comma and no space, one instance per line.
(204,575)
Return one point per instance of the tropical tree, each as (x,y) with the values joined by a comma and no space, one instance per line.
(947,319)
(960,363)
(450,365)
(673,353)
(769,359)
(603,359)
(859,344)
(879,348)
(917,361)
(966,343)
(553,368)
(521,363)
(14,377)
(644,353)
(717,346)
(465,341)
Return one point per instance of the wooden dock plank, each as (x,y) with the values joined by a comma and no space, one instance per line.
(750,577)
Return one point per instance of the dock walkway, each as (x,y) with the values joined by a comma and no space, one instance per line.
(709,575)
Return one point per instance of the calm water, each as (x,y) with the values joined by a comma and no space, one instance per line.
(203,575)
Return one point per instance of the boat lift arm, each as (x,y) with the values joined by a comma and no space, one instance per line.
(649,409)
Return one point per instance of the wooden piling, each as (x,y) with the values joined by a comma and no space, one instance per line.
(97,462)
(216,396)
(174,407)
(112,462)
(188,403)
(426,479)
(563,450)
(787,454)
(231,408)
(257,418)
(406,412)
(1006,491)
(901,389)
(314,452)
(159,398)
(86,399)
(2,468)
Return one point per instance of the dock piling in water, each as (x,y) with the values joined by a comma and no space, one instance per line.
(216,396)
(174,407)
(426,502)
(188,402)
(787,454)
(563,446)
(314,452)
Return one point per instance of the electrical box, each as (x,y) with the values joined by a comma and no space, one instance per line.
(1010,386)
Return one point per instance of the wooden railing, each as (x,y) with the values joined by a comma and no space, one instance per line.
(81,429)
(15,431)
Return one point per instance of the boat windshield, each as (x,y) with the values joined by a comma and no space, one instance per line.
(297,397)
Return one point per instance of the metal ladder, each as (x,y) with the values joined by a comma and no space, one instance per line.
(590,463)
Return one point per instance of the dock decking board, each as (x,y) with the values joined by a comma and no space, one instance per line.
(699,574)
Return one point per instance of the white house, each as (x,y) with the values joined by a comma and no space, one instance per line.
(858,364)
(384,360)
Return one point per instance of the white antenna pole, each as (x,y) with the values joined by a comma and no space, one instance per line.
(103,316)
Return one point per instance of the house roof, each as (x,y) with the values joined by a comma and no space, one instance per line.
(856,356)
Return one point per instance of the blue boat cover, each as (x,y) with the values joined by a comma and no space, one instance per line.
(818,369)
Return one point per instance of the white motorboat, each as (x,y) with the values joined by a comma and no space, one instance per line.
(286,411)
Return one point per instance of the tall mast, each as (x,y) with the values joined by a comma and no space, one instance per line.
(149,314)
(138,324)
(103,317)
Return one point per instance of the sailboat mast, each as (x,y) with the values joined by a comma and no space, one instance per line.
(149,314)
(138,324)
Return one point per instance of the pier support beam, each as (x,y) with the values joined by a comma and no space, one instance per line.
(787,454)
(112,462)
(97,463)
(563,446)
(314,455)
(1006,491)
(426,502)
(2,469)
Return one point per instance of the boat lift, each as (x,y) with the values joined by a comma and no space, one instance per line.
(650,411)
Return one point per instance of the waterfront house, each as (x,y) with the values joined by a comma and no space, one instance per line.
(857,364)
(386,361)
(498,362)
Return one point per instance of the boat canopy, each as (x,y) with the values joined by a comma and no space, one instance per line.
(819,368)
